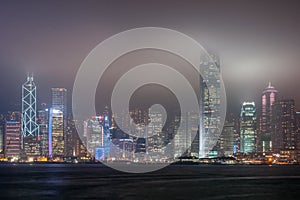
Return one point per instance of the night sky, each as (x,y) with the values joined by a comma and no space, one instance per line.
(257,41)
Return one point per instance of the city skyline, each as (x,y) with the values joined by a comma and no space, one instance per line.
(260,131)
(131,99)
(254,49)
(203,137)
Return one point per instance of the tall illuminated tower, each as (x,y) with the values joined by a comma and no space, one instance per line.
(284,126)
(1,138)
(59,99)
(94,133)
(43,118)
(98,137)
(248,128)
(210,105)
(183,140)
(106,135)
(297,138)
(58,123)
(228,142)
(269,97)
(30,129)
(12,139)
(155,137)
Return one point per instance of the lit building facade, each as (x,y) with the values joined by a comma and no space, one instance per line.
(30,129)
(226,142)
(98,137)
(59,99)
(56,144)
(284,128)
(43,122)
(184,137)
(71,149)
(122,149)
(155,135)
(12,139)
(95,137)
(236,135)
(248,134)
(210,105)
(269,97)
(297,117)
(139,117)
(1,138)
(58,123)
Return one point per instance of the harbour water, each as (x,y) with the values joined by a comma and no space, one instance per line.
(96,181)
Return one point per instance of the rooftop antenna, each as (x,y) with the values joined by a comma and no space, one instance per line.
(29,76)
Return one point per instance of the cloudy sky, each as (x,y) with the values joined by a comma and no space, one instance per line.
(257,41)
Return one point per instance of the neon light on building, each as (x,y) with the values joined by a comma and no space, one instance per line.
(50,134)
(30,129)
(269,97)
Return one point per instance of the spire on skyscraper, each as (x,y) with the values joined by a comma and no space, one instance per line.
(270,88)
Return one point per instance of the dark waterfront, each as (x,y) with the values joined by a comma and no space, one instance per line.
(91,181)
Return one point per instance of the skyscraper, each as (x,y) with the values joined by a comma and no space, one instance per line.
(98,137)
(248,128)
(210,104)
(228,138)
(183,140)
(140,118)
(56,142)
(1,138)
(269,97)
(59,99)
(30,129)
(72,137)
(284,128)
(107,136)
(297,117)
(58,123)
(43,117)
(155,137)
(95,139)
(12,139)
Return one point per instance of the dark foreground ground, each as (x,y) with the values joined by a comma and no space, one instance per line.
(67,181)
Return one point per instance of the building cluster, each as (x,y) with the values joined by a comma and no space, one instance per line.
(271,132)
(48,133)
